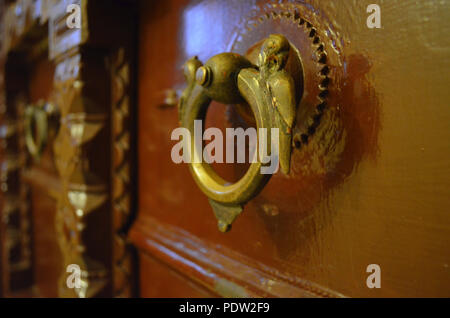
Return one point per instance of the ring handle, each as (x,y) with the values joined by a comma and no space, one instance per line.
(269,90)
(36,127)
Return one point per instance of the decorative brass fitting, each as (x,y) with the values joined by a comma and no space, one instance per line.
(231,79)
(38,118)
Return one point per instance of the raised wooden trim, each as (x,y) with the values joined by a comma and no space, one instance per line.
(218,269)
(122,174)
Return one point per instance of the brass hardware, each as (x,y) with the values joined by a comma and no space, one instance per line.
(38,118)
(269,90)
(170,99)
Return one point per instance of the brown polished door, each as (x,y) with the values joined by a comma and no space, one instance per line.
(358,208)
(369,173)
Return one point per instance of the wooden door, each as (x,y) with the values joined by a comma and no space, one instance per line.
(66,96)
(362,212)
(369,174)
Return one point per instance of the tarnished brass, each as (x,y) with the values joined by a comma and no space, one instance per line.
(38,118)
(269,90)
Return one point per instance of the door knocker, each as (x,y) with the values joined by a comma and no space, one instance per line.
(38,121)
(270,91)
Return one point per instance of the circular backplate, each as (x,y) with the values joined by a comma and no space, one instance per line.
(307,63)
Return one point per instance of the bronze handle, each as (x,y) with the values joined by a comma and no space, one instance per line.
(38,118)
(269,90)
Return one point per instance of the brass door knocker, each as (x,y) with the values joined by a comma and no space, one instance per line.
(268,89)
(38,118)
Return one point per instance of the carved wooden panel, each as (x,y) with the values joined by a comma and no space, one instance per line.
(18,18)
(123,195)
(92,90)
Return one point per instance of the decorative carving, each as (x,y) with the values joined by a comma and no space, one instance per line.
(82,191)
(83,120)
(15,214)
(24,230)
(85,192)
(121,193)
(17,18)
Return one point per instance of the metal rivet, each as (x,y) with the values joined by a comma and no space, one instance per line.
(203,76)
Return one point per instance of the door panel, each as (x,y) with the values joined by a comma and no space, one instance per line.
(368,187)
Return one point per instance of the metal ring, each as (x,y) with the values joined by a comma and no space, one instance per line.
(35,144)
(207,179)
(268,89)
